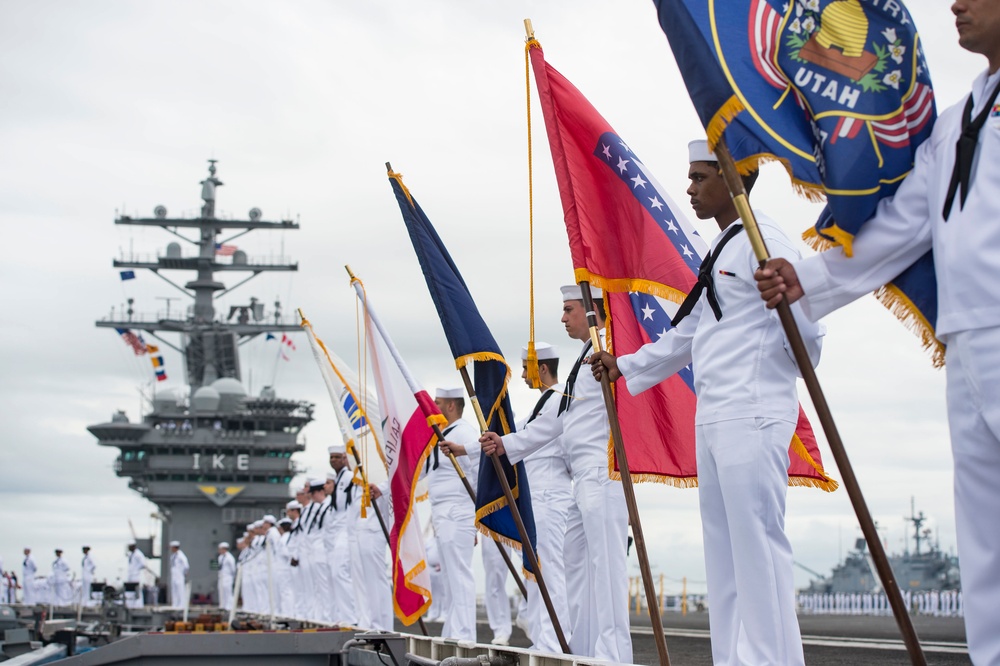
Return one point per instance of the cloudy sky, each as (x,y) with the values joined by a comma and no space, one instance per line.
(115,107)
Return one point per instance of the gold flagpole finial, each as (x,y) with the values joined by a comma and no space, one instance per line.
(528,30)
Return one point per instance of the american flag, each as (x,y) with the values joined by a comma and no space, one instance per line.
(132,340)
(225,250)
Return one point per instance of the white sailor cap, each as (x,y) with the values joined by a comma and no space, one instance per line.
(544,351)
(698,151)
(270,519)
(572,292)
(336,448)
(224,544)
(331,476)
(294,504)
(316,484)
(175,544)
(258,523)
(285,521)
(449,393)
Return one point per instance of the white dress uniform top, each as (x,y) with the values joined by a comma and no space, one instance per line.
(61,593)
(551,499)
(369,571)
(28,572)
(179,568)
(967,261)
(454,518)
(227,576)
(87,569)
(136,565)
(337,541)
(746,414)
(597,526)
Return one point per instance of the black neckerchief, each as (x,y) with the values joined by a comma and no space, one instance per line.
(965,151)
(434,453)
(571,380)
(706,281)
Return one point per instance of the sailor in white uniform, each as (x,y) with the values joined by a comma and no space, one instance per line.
(179,569)
(551,499)
(949,203)
(746,414)
(136,565)
(336,532)
(597,526)
(87,569)
(283,581)
(369,571)
(293,546)
(320,594)
(61,592)
(454,514)
(227,576)
(28,572)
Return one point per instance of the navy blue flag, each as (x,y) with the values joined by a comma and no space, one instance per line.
(470,340)
(838,91)
(127,275)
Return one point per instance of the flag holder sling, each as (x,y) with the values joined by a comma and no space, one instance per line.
(529,551)
(742,203)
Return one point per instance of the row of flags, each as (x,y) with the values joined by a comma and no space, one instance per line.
(140,347)
(838,91)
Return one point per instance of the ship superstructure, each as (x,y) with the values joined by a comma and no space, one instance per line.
(210,456)
(924,568)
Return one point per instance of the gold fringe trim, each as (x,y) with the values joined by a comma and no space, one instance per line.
(625,285)
(507,541)
(891,297)
(829,237)
(463,361)
(903,308)
(717,125)
(826,483)
(424,497)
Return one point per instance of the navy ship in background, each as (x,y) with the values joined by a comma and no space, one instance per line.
(926,568)
(210,456)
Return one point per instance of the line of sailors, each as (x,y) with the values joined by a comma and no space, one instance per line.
(59,588)
(323,561)
(943,603)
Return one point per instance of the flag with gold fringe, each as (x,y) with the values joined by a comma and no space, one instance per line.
(627,236)
(837,91)
(470,340)
(408,414)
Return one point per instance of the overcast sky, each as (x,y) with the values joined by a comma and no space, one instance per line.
(116,106)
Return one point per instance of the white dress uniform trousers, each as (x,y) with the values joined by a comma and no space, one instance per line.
(496,599)
(370,572)
(61,593)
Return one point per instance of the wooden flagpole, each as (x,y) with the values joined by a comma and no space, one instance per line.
(652,602)
(742,202)
(529,550)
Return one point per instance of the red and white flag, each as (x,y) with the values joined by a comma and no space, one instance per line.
(408,413)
